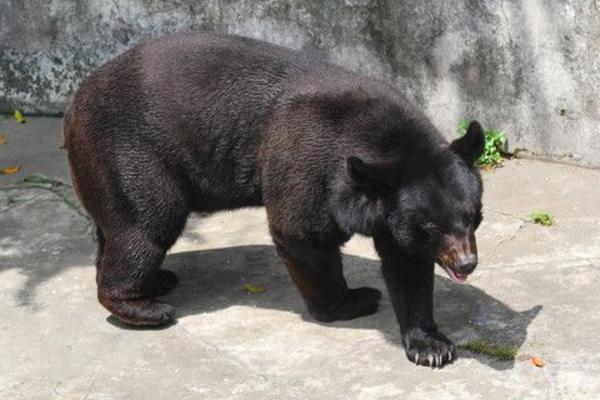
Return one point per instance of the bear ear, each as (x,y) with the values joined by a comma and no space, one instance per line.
(470,147)
(375,178)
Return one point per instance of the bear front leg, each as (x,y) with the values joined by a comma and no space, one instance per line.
(316,269)
(410,284)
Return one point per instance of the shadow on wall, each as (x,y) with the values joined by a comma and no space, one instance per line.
(212,280)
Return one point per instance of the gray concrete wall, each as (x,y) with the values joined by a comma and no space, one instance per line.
(530,68)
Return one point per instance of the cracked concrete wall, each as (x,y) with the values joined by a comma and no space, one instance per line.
(529,68)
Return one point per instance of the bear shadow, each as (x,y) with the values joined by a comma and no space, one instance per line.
(211,280)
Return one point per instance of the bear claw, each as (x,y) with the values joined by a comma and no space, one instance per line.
(140,312)
(431,349)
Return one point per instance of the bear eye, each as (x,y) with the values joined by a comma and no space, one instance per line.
(432,229)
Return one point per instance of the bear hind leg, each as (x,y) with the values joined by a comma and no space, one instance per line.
(129,278)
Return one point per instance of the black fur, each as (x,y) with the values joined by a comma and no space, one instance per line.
(207,122)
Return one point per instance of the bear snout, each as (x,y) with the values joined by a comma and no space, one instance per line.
(467,264)
(459,254)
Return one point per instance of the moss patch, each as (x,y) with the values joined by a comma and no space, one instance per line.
(498,352)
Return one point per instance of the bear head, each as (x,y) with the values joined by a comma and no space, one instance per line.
(430,205)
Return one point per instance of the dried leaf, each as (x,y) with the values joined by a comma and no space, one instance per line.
(253,288)
(19,116)
(538,362)
(2,138)
(13,169)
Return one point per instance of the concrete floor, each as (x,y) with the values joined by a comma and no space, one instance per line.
(536,289)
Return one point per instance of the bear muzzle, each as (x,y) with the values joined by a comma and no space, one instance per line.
(458,256)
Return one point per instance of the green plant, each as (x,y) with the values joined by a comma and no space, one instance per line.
(62,190)
(542,218)
(493,153)
(463,125)
(499,352)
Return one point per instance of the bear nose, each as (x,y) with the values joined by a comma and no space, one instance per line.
(467,264)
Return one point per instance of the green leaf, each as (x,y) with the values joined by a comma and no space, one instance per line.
(253,288)
(40,179)
(19,116)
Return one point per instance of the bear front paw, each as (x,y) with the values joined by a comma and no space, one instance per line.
(430,349)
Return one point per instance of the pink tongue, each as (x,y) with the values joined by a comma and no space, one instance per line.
(456,277)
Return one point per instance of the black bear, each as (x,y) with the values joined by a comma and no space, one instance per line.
(208,122)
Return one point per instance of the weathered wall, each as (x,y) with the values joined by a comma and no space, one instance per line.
(528,67)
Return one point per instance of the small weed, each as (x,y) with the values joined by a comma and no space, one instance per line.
(542,218)
(498,352)
(493,154)
(463,125)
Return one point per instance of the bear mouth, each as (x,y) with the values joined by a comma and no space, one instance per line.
(455,275)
